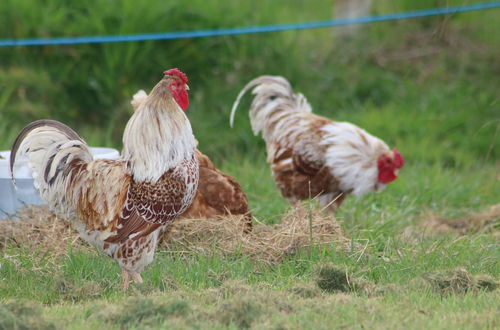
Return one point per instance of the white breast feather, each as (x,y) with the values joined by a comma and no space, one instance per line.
(153,146)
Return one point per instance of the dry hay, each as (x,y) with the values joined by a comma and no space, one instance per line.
(473,222)
(37,229)
(433,224)
(460,281)
(268,243)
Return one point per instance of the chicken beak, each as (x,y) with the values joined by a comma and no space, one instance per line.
(187,87)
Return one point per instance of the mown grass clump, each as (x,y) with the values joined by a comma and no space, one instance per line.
(86,290)
(433,224)
(305,290)
(144,311)
(240,311)
(333,279)
(39,229)
(23,315)
(460,281)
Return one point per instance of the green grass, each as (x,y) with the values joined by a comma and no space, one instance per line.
(83,289)
(427,86)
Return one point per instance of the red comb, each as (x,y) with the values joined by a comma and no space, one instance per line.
(178,73)
(398,158)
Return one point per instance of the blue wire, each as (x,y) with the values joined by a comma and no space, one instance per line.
(245,30)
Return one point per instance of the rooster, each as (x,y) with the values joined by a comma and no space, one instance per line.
(313,156)
(120,206)
(218,193)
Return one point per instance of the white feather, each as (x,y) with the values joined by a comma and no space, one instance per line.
(138,98)
(148,156)
(352,159)
(286,122)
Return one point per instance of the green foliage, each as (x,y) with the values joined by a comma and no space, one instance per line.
(407,83)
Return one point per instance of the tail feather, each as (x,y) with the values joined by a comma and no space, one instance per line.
(272,92)
(50,147)
(276,80)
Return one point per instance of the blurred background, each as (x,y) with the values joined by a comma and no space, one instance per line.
(430,86)
(401,80)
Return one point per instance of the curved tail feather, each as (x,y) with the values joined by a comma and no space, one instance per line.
(276,83)
(52,148)
(272,93)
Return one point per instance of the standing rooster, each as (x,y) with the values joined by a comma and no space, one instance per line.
(312,156)
(218,193)
(120,206)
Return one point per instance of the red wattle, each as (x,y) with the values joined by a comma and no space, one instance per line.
(182,100)
(179,93)
(386,176)
(398,158)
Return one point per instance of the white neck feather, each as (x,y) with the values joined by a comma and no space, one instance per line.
(157,138)
(352,154)
(283,116)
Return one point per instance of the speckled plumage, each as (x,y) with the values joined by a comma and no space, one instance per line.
(311,156)
(119,206)
(218,193)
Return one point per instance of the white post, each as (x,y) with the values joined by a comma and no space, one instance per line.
(350,9)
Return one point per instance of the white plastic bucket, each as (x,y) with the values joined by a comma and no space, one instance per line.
(12,198)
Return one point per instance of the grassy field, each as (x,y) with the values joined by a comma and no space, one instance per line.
(424,252)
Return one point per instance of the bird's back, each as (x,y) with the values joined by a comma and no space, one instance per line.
(218,194)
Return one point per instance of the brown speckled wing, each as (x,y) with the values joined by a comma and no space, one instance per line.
(150,206)
(132,225)
(299,164)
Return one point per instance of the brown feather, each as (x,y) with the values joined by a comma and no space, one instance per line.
(218,195)
(131,222)
(118,206)
(310,156)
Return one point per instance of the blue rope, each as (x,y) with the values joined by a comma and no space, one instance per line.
(246,30)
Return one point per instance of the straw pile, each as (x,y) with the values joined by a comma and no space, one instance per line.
(37,229)
(473,222)
(269,243)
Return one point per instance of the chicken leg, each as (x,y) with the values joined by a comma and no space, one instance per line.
(136,277)
(125,276)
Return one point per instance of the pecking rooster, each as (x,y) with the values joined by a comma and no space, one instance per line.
(312,156)
(218,193)
(120,206)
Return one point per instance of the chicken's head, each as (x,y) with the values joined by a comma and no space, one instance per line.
(388,166)
(178,87)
